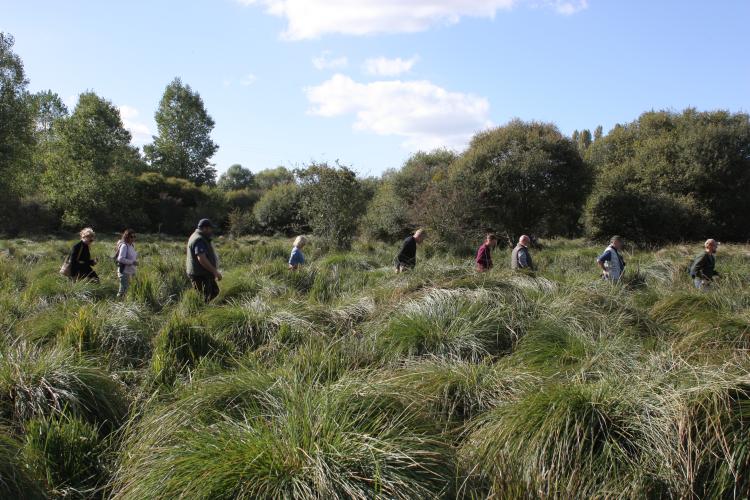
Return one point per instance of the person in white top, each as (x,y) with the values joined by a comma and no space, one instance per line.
(127,260)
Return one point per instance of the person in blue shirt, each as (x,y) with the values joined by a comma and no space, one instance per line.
(297,258)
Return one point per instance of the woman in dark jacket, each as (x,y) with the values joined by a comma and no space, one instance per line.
(81,262)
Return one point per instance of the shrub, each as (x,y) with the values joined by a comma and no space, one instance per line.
(15,479)
(284,439)
(68,453)
(278,210)
(38,382)
(179,347)
(460,323)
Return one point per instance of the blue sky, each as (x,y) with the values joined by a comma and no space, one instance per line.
(368,82)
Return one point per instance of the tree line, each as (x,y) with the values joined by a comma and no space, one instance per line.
(667,176)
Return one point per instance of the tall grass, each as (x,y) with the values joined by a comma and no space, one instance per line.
(284,439)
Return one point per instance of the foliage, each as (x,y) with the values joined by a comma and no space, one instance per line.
(524,177)
(270,177)
(278,210)
(332,203)
(236,178)
(183,146)
(395,209)
(685,175)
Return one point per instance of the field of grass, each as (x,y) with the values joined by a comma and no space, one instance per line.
(345,380)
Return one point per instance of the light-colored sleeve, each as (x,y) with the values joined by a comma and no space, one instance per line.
(122,256)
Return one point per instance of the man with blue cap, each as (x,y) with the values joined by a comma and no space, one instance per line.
(202,263)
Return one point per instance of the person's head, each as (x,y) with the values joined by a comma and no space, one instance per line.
(420,235)
(87,235)
(711,245)
(616,241)
(524,240)
(490,240)
(300,241)
(206,227)
(128,236)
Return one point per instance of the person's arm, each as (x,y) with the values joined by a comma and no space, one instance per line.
(700,267)
(204,261)
(605,257)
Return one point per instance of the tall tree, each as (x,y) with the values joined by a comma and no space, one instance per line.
(598,133)
(183,147)
(16,117)
(235,178)
(94,133)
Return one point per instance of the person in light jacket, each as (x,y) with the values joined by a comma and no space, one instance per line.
(297,258)
(81,263)
(127,260)
(611,262)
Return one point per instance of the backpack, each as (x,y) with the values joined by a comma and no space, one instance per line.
(115,255)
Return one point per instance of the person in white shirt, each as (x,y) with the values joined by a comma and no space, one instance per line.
(127,260)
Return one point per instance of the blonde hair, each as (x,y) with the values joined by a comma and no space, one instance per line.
(87,232)
(300,241)
(420,231)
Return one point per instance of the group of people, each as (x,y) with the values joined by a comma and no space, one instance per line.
(202,261)
(610,262)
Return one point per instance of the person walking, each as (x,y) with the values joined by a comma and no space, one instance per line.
(520,257)
(202,262)
(611,262)
(407,255)
(81,263)
(127,260)
(297,258)
(703,270)
(484,254)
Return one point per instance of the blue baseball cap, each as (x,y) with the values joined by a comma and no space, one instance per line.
(205,223)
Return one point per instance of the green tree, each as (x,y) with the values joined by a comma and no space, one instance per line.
(16,121)
(89,175)
(236,178)
(332,203)
(396,207)
(94,134)
(183,147)
(270,177)
(524,177)
(695,165)
(278,210)
(598,133)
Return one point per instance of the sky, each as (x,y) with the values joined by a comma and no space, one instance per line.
(369,82)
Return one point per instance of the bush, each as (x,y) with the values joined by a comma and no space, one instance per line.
(250,435)
(691,165)
(15,479)
(332,203)
(68,453)
(278,210)
(36,382)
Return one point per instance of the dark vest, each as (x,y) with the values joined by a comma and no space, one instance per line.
(192,266)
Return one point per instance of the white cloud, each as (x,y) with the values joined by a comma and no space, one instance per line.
(248,79)
(382,66)
(313,18)
(424,114)
(325,61)
(140,131)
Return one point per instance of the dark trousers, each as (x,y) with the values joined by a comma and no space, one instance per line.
(206,285)
(85,274)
